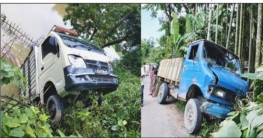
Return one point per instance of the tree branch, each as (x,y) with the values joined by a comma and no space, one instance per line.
(116,41)
(95,28)
(118,23)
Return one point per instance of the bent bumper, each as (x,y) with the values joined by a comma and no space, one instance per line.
(215,109)
(81,79)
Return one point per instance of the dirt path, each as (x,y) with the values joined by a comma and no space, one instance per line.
(160,120)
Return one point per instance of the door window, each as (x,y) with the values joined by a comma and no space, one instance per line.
(193,53)
(49,47)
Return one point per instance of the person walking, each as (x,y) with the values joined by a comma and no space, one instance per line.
(142,84)
(151,80)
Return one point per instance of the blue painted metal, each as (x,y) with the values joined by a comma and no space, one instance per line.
(215,109)
(197,72)
(230,80)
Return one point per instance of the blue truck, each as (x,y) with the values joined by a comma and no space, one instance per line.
(207,78)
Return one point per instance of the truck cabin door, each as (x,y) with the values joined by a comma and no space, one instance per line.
(50,64)
(190,68)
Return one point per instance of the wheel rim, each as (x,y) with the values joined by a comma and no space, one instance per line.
(190,115)
(52,109)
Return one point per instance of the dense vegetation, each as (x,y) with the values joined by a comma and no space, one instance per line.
(118,116)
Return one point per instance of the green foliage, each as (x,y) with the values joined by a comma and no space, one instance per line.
(258,83)
(10,73)
(19,119)
(207,127)
(246,123)
(124,106)
(181,105)
(118,116)
(132,61)
(106,24)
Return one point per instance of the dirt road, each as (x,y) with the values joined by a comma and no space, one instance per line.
(160,120)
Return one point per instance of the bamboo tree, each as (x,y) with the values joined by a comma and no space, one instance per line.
(209,24)
(236,36)
(230,25)
(240,31)
(258,41)
(251,37)
(217,7)
(226,17)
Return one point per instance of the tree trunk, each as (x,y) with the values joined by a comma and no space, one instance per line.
(209,24)
(230,25)
(250,39)
(216,22)
(221,32)
(236,36)
(240,30)
(226,17)
(258,41)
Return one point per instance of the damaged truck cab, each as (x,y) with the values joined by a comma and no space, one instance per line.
(62,66)
(208,79)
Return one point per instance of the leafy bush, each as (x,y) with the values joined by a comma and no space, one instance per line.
(118,116)
(246,123)
(248,120)
(132,61)
(10,73)
(19,119)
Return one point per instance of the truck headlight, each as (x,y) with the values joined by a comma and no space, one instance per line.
(76,61)
(110,67)
(219,93)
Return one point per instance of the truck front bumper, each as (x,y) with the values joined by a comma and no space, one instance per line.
(82,79)
(215,109)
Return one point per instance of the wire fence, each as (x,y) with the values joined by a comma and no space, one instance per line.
(15,35)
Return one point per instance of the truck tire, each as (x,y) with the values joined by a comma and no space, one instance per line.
(163,93)
(55,109)
(193,116)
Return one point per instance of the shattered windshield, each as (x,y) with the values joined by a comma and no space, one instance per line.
(77,43)
(223,58)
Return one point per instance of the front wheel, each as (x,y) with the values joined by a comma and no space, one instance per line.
(55,109)
(163,93)
(193,116)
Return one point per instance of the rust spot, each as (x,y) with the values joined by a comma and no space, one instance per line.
(62,29)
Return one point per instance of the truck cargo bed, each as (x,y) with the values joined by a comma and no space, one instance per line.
(29,72)
(170,69)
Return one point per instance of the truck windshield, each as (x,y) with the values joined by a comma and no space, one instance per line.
(78,43)
(219,56)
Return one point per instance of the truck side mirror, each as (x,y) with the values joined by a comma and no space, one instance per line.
(53,42)
(184,56)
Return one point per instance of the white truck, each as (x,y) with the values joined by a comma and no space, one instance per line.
(62,66)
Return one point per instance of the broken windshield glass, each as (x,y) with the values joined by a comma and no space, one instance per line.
(221,57)
(77,43)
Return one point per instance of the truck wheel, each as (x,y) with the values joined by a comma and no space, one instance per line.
(55,109)
(193,116)
(163,93)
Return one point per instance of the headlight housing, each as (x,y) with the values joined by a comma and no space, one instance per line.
(110,67)
(76,61)
(219,93)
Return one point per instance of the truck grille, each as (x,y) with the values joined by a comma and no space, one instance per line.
(102,78)
(94,64)
(230,96)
